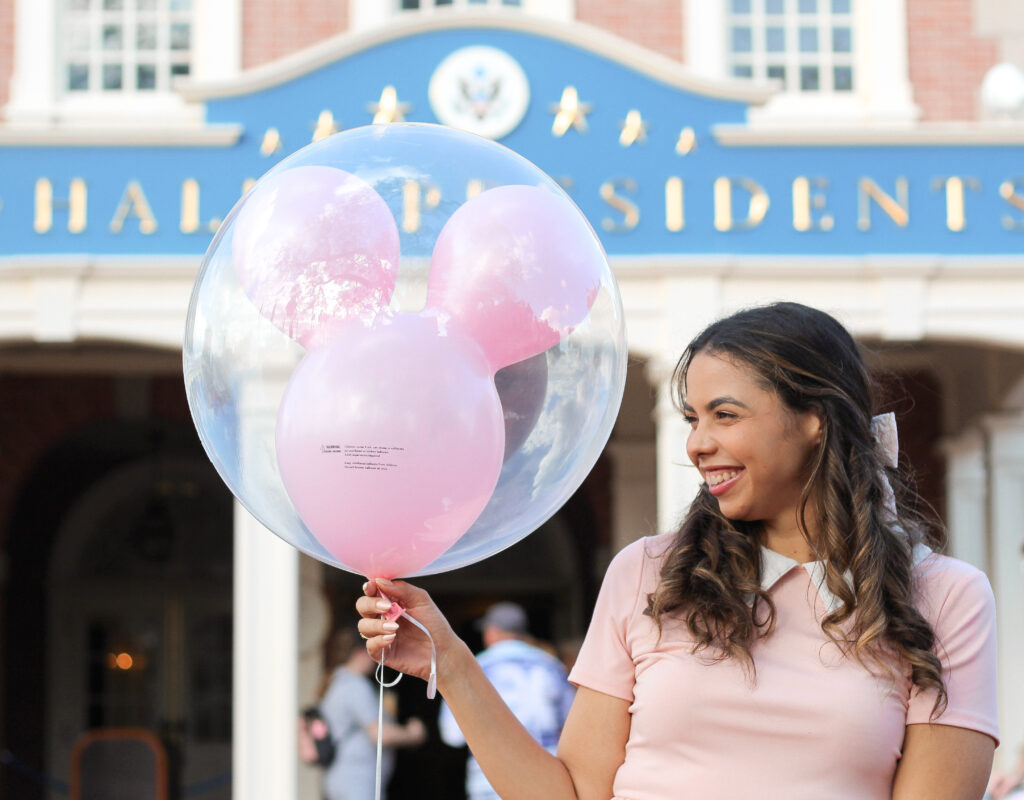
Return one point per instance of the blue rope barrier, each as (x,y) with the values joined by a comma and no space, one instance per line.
(8,759)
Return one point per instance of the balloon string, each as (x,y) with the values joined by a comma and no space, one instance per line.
(431,693)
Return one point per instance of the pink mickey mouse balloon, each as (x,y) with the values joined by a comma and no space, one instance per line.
(519,267)
(315,244)
(393,373)
(390,440)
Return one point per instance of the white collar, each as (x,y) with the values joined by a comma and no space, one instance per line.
(775,565)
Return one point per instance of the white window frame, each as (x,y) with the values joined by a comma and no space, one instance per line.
(37,96)
(368,14)
(882,92)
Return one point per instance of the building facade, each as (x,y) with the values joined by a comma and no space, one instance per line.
(862,156)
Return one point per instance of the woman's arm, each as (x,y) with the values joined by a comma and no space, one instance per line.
(410,734)
(593,742)
(942,762)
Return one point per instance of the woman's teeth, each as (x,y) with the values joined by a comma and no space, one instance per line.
(721,477)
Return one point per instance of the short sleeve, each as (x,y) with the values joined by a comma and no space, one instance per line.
(349,703)
(605,662)
(958,602)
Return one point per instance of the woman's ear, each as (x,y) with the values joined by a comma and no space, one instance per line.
(814,425)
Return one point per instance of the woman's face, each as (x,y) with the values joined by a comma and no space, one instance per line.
(752,451)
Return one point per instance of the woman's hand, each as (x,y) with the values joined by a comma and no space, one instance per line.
(404,646)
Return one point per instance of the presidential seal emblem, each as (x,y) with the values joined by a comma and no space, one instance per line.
(480,89)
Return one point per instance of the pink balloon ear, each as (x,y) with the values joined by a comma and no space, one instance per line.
(518,267)
(313,245)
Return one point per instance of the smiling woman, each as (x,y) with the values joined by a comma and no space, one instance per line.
(797,637)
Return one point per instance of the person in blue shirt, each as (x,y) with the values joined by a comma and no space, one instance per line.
(531,681)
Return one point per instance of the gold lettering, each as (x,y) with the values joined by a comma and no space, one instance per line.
(1008,191)
(675,208)
(629,210)
(76,205)
(956,219)
(756,209)
(190,209)
(133,202)
(414,200)
(189,206)
(804,200)
(44,206)
(898,210)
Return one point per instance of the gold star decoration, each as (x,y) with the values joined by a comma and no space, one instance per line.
(388,109)
(634,129)
(325,126)
(569,113)
(271,142)
(687,141)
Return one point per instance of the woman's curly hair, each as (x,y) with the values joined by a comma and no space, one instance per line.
(713,566)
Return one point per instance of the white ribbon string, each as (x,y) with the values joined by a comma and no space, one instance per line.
(431,693)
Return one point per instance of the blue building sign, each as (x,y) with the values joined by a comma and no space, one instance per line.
(659,164)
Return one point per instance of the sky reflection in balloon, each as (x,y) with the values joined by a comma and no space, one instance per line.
(391,383)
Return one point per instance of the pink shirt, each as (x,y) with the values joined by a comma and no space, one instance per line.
(816,726)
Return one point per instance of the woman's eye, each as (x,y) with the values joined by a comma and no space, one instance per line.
(724,415)
(689,419)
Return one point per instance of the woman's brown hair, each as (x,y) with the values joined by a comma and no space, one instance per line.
(713,567)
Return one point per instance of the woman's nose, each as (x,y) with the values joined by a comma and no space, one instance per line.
(699,442)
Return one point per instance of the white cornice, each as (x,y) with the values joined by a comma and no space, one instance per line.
(586,37)
(818,266)
(221,135)
(961,133)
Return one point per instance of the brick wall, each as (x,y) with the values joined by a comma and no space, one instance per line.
(6,50)
(272,29)
(654,24)
(947,60)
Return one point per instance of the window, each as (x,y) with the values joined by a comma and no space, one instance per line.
(367,14)
(423,5)
(805,44)
(123,46)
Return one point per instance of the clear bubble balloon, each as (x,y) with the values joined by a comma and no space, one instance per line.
(404,350)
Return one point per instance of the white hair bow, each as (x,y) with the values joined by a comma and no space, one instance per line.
(883,429)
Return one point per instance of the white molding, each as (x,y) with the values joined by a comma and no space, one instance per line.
(223,135)
(586,37)
(836,132)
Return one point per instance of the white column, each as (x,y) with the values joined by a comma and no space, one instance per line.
(967,498)
(266,612)
(314,626)
(264,752)
(882,60)
(634,493)
(1006,487)
(366,14)
(704,37)
(34,80)
(689,304)
(677,479)
(217,51)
